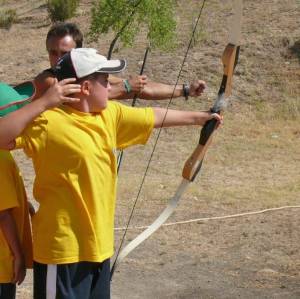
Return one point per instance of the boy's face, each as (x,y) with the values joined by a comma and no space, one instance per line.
(58,46)
(98,92)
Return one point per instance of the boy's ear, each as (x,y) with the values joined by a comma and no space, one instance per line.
(85,87)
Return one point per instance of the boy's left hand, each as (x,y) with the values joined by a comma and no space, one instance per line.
(207,115)
(217,117)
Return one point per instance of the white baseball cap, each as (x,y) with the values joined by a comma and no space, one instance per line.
(81,62)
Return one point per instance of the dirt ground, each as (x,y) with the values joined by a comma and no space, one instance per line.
(252,165)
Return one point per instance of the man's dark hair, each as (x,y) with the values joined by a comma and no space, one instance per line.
(63,29)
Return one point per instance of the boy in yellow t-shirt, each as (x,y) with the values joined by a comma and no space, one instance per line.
(73,150)
(15,232)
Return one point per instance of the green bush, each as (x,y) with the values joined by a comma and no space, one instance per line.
(61,10)
(126,18)
(7,18)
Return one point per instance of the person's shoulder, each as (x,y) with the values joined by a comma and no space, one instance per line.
(43,81)
(113,106)
(7,161)
(6,156)
(116,108)
(113,111)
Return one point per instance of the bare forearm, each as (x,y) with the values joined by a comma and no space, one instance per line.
(151,91)
(12,125)
(9,230)
(160,91)
(173,118)
(156,91)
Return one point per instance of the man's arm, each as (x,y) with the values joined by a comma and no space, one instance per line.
(149,90)
(173,118)
(139,85)
(13,124)
(9,230)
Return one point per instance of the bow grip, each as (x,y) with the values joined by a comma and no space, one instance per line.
(207,130)
(194,163)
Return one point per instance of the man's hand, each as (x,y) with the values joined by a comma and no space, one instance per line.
(137,83)
(197,88)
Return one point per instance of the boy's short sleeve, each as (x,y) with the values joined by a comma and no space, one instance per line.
(134,126)
(8,197)
(34,137)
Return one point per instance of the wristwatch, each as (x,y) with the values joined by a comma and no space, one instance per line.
(186,90)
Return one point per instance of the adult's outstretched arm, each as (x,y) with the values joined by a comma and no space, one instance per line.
(140,86)
(150,90)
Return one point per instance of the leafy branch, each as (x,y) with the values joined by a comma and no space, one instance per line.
(126,17)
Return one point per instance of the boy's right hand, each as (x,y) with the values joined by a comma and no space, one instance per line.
(19,269)
(57,93)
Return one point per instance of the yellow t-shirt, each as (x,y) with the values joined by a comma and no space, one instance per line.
(74,159)
(13,196)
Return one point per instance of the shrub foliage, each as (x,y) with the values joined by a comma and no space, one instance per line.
(61,10)
(7,18)
(126,18)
